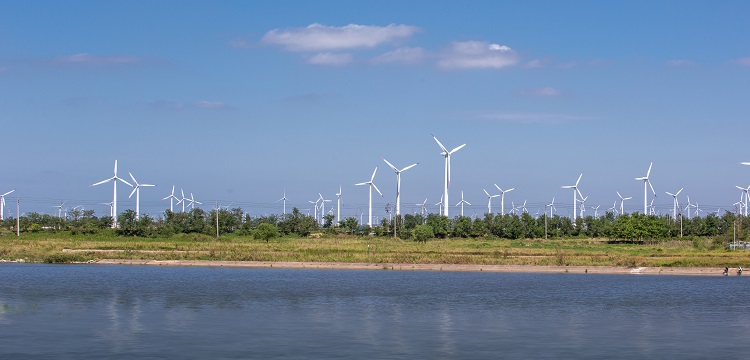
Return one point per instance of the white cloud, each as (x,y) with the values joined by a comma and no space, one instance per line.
(330,59)
(95,60)
(478,55)
(317,37)
(543,91)
(742,61)
(401,56)
(533,64)
(533,118)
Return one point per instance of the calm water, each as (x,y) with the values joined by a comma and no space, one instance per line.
(105,312)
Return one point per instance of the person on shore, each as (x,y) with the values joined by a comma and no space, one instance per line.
(739,270)
(726,271)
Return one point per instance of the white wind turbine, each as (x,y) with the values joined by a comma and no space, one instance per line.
(675,203)
(596,211)
(551,207)
(322,206)
(687,207)
(2,204)
(613,208)
(284,199)
(423,206)
(622,202)
(338,206)
(502,198)
(315,213)
(582,200)
(576,192)
(462,202)
(745,193)
(447,154)
(440,205)
(193,202)
(489,201)
(137,191)
(114,180)
(372,185)
(59,209)
(646,185)
(398,183)
(171,198)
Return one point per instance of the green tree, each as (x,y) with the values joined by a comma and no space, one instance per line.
(422,233)
(265,231)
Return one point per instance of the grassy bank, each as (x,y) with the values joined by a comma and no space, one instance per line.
(64,248)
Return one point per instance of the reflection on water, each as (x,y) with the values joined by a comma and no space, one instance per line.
(94,311)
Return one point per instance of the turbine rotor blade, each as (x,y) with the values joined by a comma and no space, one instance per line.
(376,188)
(409,167)
(456,149)
(391,165)
(440,144)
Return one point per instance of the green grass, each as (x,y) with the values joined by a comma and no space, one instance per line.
(48,247)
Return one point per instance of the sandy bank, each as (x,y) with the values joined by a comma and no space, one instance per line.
(430,267)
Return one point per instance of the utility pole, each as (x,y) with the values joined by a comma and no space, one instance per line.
(217,219)
(18,217)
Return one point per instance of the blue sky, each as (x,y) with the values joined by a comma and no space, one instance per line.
(238,101)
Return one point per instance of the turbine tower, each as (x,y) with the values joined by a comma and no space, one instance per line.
(114,180)
(745,195)
(622,202)
(338,206)
(489,201)
(423,206)
(372,185)
(398,183)
(675,203)
(284,199)
(502,198)
(171,198)
(576,192)
(2,204)
(646,185)
(462,202)
(447,154)
(137,191)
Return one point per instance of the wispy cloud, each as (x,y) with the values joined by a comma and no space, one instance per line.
(477,55)
(330,59)
(317,37)
(533,118)
(542,91)
(85,59)
(405,55)
(742,61)
(201,104)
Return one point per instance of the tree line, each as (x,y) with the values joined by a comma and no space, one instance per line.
(630,227)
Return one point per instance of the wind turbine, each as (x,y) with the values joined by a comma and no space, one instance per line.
(137,191)
(2,203)
(489,201)
(646,185)
(372,185)
(322,206)
(551,207)
(423,206)
(440,204)
(622,202)
(613,208)
(447,154)
(675,203)
(596,211)
(462,202)
(338,206)
(576,192)
(59,209)
(502,198)
(284,199)
(687,207)
(114,180)
(398,183)
(745,193)
(193,202)
(171,198)
(315,214)
(582,200)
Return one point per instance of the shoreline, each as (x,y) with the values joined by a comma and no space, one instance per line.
(688,271)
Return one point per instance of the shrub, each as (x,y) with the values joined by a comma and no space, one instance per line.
(422,233)
(265,231)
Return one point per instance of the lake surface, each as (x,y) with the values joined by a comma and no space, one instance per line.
(111,311)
